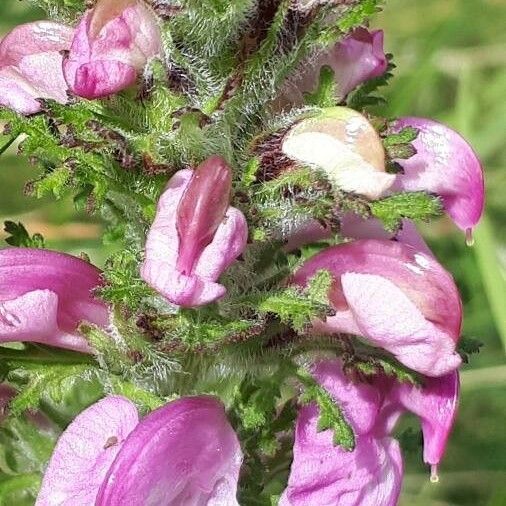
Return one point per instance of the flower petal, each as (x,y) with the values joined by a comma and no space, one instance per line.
(183,453)
(447,165)
(85,452)
(360,402)
(342,143)
(327,475)
(201,210)
(194,285)
(430,287)
(389,319)
(31,65)
(356,59)
(112,44)
(45,295)
(436,403)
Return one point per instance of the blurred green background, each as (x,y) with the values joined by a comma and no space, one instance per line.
(450,57)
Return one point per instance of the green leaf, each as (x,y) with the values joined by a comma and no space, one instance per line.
(331,416)
(468,346)
(325,94)
(20,489)
(19,236)
(24,447)
(405,136)
(292,307)
(418,206)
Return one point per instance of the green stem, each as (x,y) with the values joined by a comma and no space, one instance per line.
(7,145)
(41,355)
(493,279)
(485,247)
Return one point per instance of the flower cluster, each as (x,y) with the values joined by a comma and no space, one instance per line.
(386,287)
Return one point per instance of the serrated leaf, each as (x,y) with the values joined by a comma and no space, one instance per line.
(331,416)
(325,94)
(418,206)
(19,236)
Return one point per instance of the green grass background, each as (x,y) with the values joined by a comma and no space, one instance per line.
(451,57)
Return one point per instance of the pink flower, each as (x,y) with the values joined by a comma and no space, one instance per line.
(371,474)
(395,297)
(354,60)
(44,295)
(112,44)
(31,65)
(444,164)
(195,235)
(185,452)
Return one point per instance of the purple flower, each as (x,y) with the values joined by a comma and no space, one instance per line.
(31,65)
(354,60)
(112,44)
(395,297)
(185,452)
(444,164)
(371,474)
(195,235)
(44,295)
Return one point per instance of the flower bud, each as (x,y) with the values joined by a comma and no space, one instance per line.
(195,236)
(112,44)
(344,145)
(353,60)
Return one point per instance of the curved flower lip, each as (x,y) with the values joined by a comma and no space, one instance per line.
(112,44)
(31,65)
(393,296)
(436,404)
(185,452)
(371,474)
(44,295)
(322,473)
(180,262)
(444,164)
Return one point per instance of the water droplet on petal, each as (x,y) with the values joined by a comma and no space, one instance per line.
(434,477)
(469,237)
